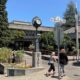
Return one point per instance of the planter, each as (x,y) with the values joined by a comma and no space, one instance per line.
(21,72)
(15,72)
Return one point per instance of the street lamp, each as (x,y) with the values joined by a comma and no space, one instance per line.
(58,36)
(36,22)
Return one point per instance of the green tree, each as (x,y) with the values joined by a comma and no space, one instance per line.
(17,34)
(67,41)
(7,36)
(16,37)
(69,15)
(4,32)
(47,39)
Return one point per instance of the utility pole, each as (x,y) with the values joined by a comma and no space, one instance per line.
(77,39)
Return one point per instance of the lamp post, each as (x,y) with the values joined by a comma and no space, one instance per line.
(77,41)
(36,62)
(58,37)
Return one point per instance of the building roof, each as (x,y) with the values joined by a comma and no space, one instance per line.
(27,26)
(71,30)
(21,22)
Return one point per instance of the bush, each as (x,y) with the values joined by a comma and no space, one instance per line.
(50,47)
(31,47)
(5,54)
(19,55)
(23,66)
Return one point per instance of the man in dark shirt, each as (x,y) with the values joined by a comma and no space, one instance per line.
(63,61)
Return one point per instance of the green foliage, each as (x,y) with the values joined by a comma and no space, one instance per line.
(69,15)
(19,55)
(47,39)
(17,35)
(3,2)
(67,40)
(23,66)
(4,31)
(5,54)
(7,36)
(50,47)
(32,47)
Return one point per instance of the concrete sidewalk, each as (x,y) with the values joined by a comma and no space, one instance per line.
(72,72)
(41,76)
(47,57)
(34,76)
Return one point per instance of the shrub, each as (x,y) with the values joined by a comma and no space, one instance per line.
(50,47)
(31,47)
(5,54)
(23,66)
(19,55)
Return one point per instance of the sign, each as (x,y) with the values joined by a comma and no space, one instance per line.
(58,35)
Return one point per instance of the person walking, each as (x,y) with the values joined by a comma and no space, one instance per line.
(51,63)
(63,61)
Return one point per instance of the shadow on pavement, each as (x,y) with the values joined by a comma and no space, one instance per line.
(76,75)
(52,76)
(55,77)
(76,63)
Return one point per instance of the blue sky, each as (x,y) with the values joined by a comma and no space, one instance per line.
(25,10)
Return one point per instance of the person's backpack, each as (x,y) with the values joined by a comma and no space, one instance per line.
(64,61)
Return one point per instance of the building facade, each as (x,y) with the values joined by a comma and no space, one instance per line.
(29,30)
(72,32)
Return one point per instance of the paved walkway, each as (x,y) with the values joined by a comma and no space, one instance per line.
(34,76)
(46,57)
(40,75)
(72,72)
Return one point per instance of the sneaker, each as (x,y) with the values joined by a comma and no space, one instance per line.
(53,73)
(59,77)
(64,74)
(47,74)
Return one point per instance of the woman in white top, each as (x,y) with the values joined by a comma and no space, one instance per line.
(51,63)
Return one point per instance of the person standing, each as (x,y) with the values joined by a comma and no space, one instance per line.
(51,63)
(13,58)
(63,61)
